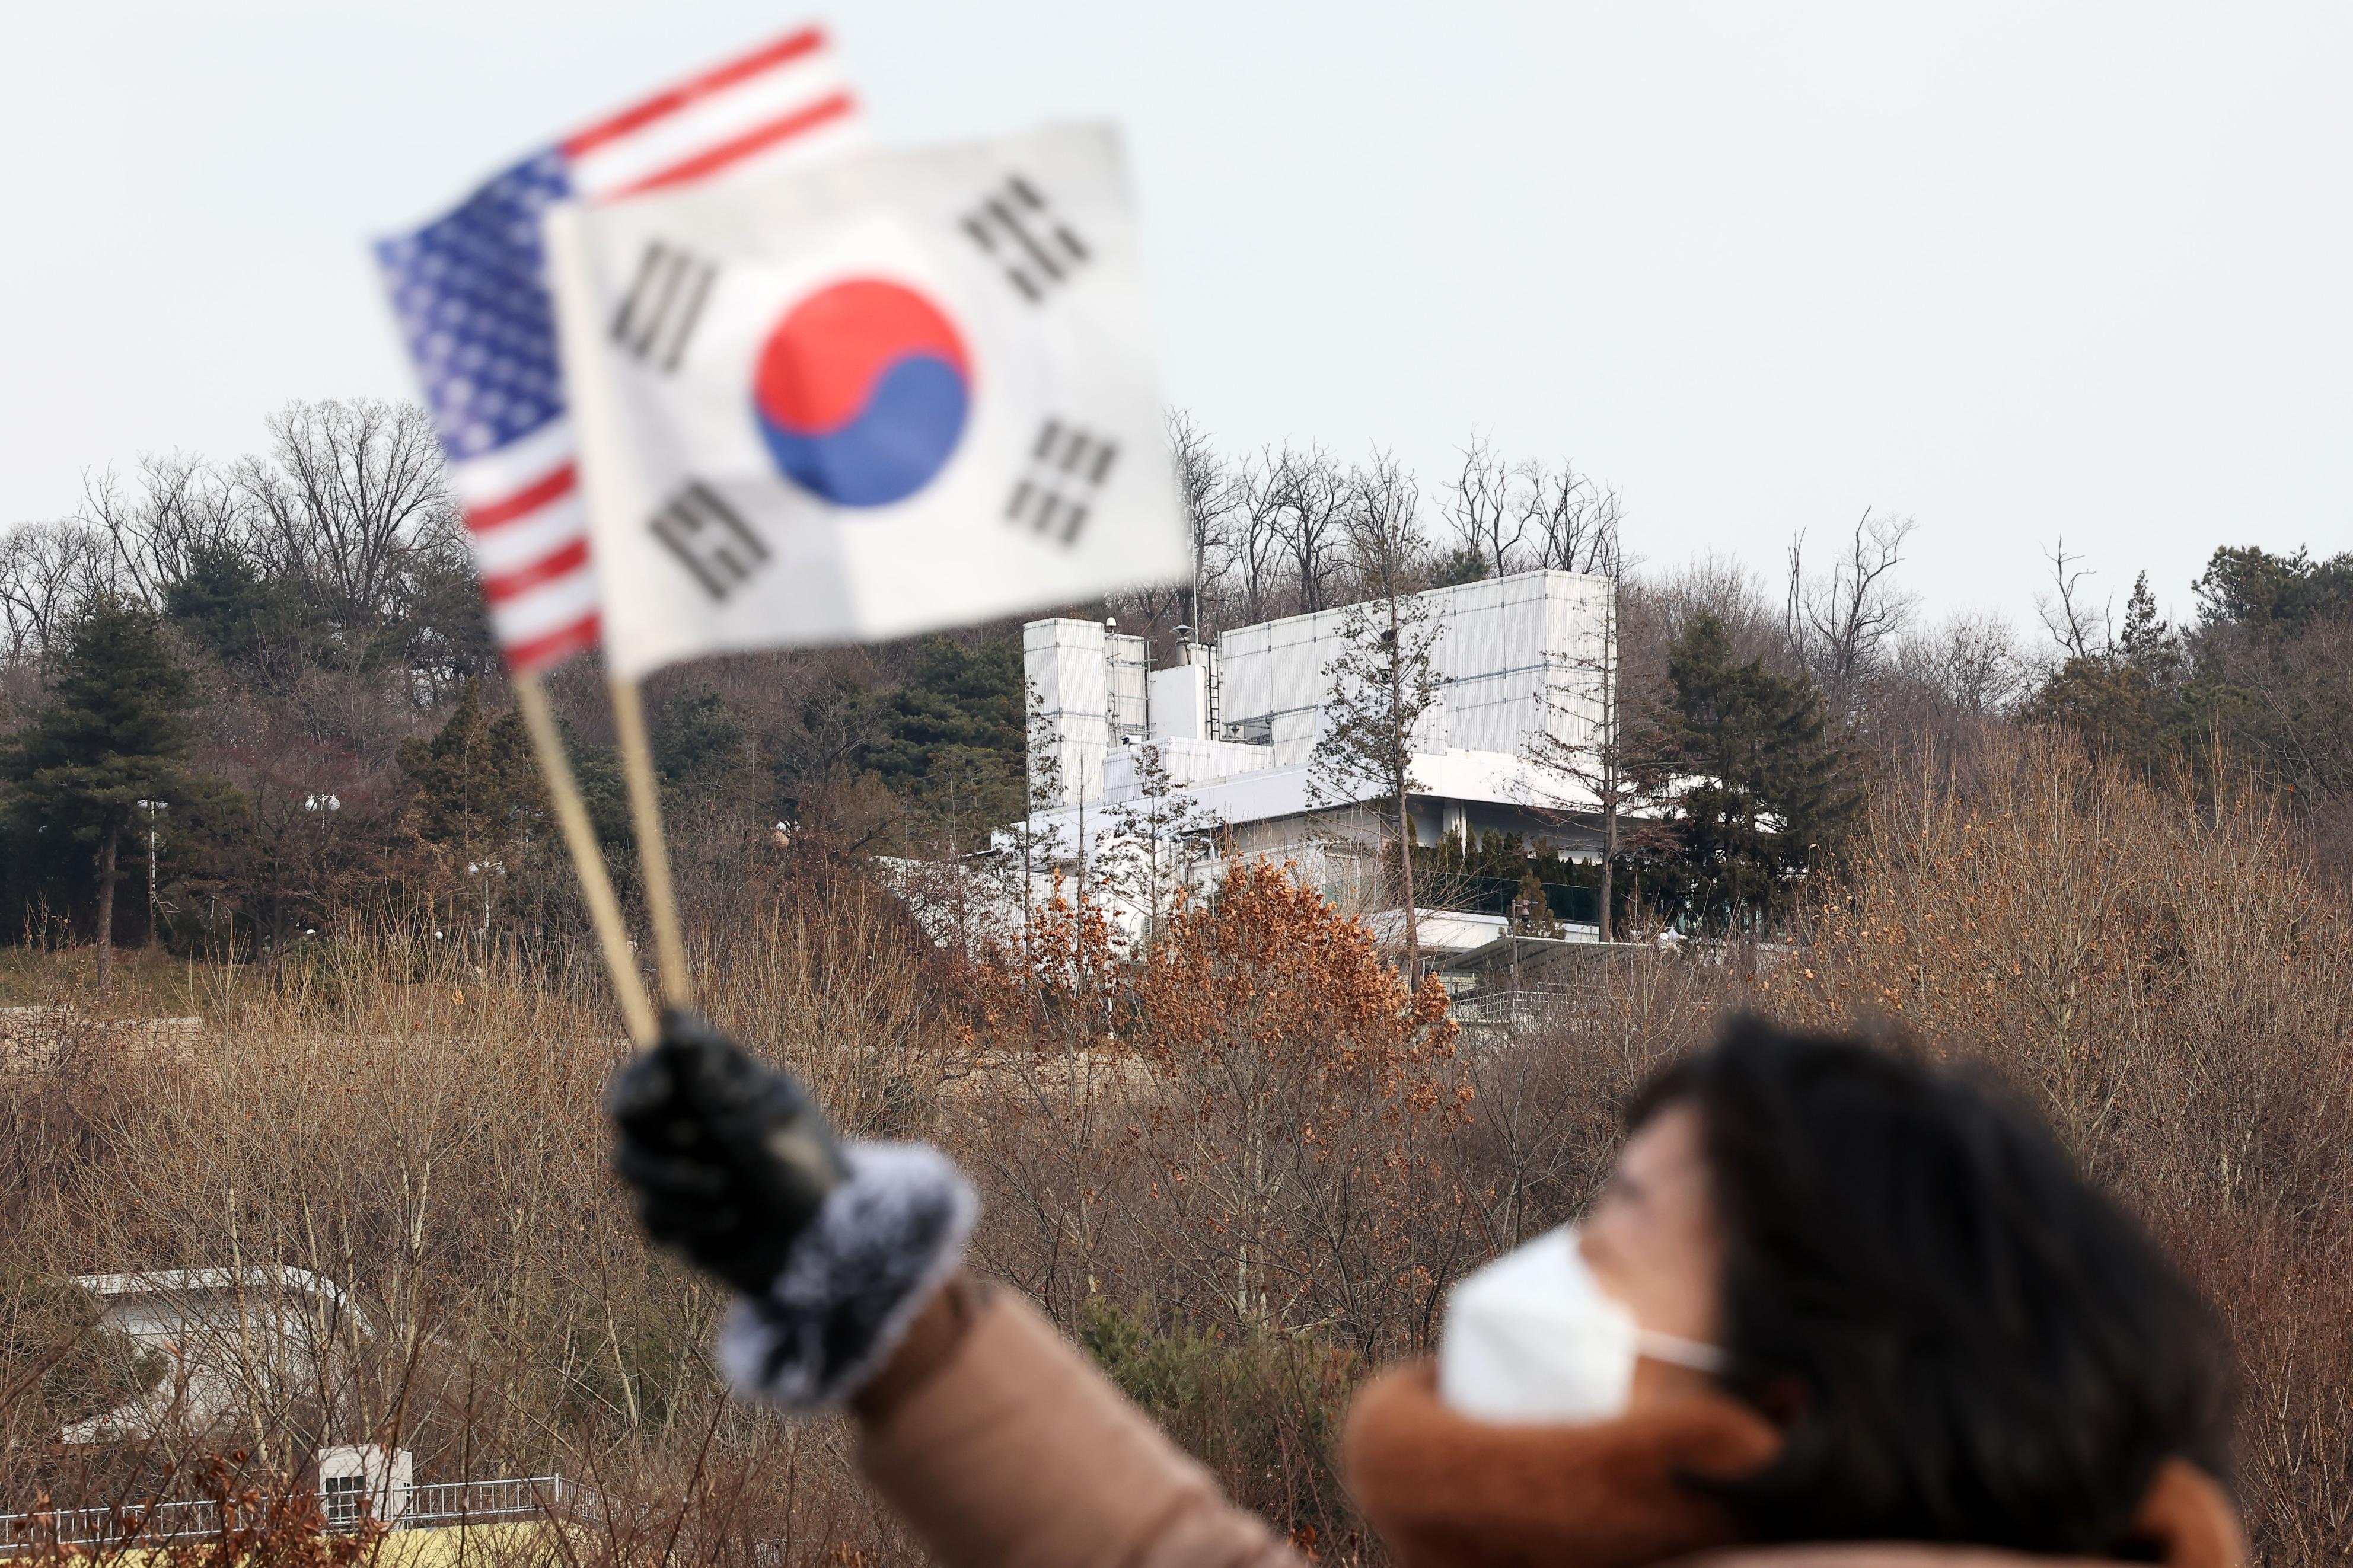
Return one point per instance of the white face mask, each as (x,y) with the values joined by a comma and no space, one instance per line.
(1531,1338)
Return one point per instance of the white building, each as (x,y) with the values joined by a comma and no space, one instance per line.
(1236,726)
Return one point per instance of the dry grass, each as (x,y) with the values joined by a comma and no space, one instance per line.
(2159,969)
(1261,1190)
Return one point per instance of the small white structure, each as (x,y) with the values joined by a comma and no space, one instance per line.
(354,1477)
(1234,727)
(226,1341)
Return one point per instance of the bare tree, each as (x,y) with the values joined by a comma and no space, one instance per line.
(48,573)
(1839,625)
(1313,499)
(1382,683)
(1487,513)
(1156,838)
(180,509)
(2066,611)
(1208,489)
(1255,536)
(356,501)
(1575,521)
(1610,764)
(1384,527)
(1971,664)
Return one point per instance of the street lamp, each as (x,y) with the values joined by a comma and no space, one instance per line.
(151,807)
(486,869)
(323,804)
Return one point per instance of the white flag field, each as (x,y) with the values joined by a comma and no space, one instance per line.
(894,393)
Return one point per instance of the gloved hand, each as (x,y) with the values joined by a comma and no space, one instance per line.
(728,1158)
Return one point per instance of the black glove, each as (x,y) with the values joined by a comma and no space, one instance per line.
(729,1159)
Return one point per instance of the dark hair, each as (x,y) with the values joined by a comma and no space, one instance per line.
(1967,1341)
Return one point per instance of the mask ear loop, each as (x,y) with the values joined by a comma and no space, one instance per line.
(1693,1353)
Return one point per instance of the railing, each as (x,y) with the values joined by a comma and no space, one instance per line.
(459,1502)
(1508,1008)
(426,1507)
(151,1521)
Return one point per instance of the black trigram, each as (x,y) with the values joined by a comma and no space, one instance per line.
(708,536)
(1021,233)
(657,315)
(1066,467)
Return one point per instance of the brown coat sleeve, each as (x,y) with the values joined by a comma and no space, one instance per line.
(1002,1446)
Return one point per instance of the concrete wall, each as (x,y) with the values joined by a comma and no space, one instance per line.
(1094,688)
(1515,655)
(1062,661)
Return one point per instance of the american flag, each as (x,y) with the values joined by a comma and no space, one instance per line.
(470,292)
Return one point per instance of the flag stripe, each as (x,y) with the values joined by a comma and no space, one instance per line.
(555,604)
(500,587)
(664,105)
(609,169)
(564,641)
(492,476)
(759,139)
(512,546)
(523,502)
(471,290)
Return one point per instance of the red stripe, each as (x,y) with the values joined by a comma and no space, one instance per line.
(482,518)
(664,105)
(506,585)
(542,651)
(754,141)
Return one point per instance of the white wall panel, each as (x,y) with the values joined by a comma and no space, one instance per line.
(1295,734)
(1514,655)
(1478,641)
(1245,676)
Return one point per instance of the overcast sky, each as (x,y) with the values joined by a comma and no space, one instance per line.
(2018,270)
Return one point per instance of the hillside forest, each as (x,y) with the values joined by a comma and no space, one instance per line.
(293,644)
(257,738)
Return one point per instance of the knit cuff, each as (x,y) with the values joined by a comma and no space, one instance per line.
(883,1241)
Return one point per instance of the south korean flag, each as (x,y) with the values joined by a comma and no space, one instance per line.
(899,392)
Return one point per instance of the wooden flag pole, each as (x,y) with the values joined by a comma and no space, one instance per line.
(580,838)
(653,854)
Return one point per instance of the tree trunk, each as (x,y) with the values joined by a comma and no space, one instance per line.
(108,848)
(1405,867)
(1401,735)
(1609,859)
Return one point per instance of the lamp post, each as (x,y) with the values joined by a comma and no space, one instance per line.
(486,869)
(324,808)
(151,807)
(324,805)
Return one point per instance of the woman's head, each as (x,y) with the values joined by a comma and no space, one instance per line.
(1963,1339)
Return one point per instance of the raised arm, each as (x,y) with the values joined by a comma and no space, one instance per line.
(999,1441)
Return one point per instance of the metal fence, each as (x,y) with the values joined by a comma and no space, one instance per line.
(461,1502)
(432,1505)
(1529,1004)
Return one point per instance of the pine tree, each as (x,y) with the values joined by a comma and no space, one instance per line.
(1532,907)
(954,734)
(477,789)
(2121,699)
(1763,793)
(1382,686)
(256,625)
(114,732)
